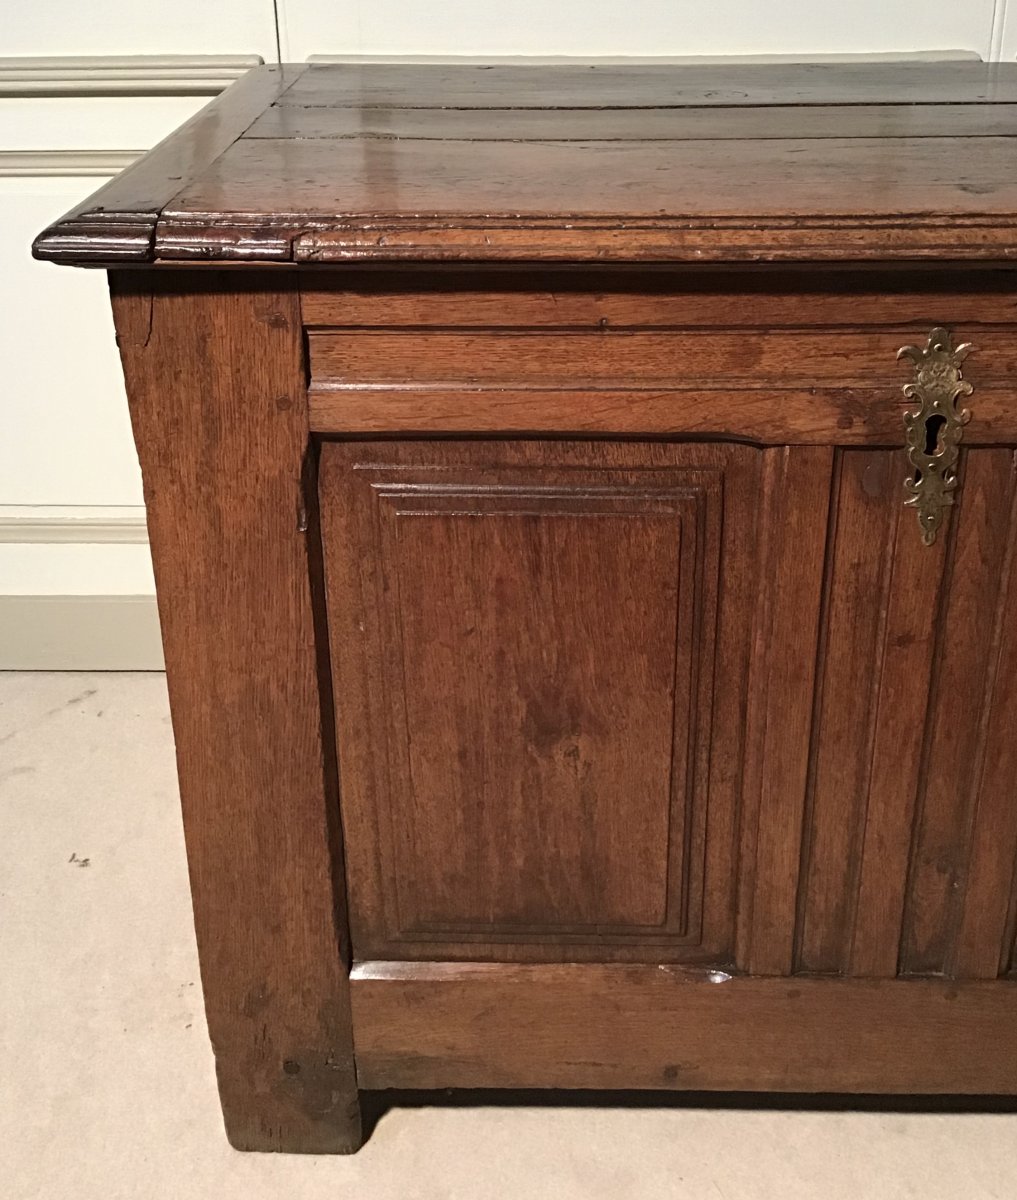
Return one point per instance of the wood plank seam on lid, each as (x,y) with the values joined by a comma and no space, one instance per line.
(774,123)
(640,86)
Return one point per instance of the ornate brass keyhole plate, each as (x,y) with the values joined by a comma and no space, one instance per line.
(933,429)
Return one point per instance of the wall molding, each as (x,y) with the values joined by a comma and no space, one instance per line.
(58,526)
(70,163)
(544,60)
(124,75)
(79,633)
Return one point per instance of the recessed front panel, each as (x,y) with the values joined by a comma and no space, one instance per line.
(536,629)
(538,768)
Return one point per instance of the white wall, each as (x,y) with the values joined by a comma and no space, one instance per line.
(633,27)
(107,27)
(1004,40)
(66,449)
(71,519)
(71,514)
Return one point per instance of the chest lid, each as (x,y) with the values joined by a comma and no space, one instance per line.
(758,163)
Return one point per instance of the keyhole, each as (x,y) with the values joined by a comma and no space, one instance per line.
(933,428)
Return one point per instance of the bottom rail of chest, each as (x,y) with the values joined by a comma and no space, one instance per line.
(425,1025)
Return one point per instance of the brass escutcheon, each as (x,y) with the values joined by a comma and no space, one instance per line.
(933,429)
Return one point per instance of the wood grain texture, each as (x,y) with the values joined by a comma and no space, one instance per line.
(777,179)
(639,124)
(790,387)
(909,838)
(632,358)
(845,198)
(215,384)
(901,672)
(961,718)
(853,635)
(375,163)
(791,533)
(513,790)
(654,296)
(353,85)
(770,357)
(983,935)
(752,238)
(763,416)
(442,1025)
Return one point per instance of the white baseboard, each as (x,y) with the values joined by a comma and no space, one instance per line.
(79,633)
(72,524)
(64,630)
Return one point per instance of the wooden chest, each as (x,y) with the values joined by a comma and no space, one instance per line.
(583,510)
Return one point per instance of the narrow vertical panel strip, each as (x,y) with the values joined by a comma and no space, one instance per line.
(747,835)
(958,720)
(1009,964)
(982,949)
(783,678)
(854,620)
(909,648)
(808,817)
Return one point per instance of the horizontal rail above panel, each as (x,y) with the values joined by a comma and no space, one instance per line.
(766,416)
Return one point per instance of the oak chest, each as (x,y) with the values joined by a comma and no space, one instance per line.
(583,504)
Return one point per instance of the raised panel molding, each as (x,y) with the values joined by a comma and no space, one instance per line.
(648,549)
(682,515)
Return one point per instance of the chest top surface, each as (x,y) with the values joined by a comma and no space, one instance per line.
(306,164)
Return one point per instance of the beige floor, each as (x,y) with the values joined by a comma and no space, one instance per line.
(107,1089)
